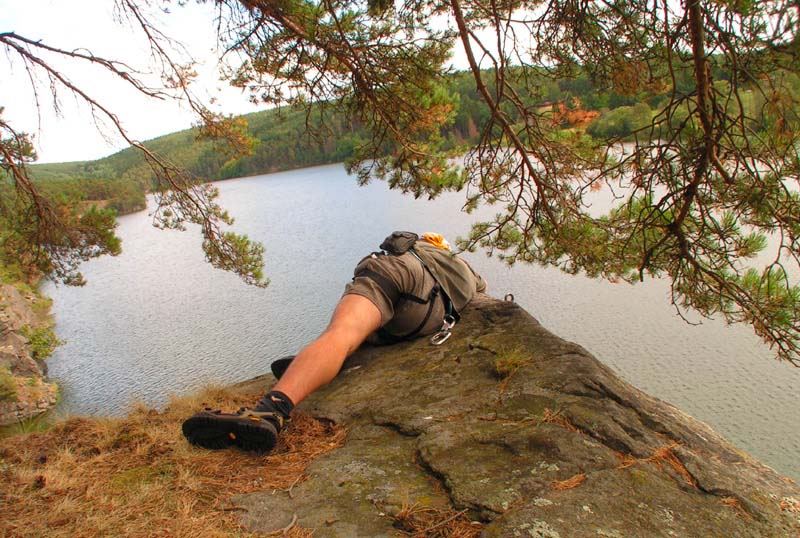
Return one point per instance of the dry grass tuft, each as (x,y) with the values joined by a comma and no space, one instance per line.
(569,483)
(508,361)
(136,476)
(555,417)
(505,364)
(427,522)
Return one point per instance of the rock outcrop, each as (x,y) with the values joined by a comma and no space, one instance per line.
(25,393)
(33,397)
(529,434)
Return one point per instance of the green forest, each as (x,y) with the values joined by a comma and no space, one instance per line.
(706,96)
(287,138)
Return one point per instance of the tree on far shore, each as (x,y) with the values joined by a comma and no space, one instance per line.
(699,188)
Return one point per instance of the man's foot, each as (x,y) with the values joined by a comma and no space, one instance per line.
(253,431)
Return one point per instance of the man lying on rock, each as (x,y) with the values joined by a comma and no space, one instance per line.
(413,287)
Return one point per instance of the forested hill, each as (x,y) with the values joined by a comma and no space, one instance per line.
(281,144)
(283,141)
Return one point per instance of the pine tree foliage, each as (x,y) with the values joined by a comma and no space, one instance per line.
(704,191)
(706,180)
(49,236)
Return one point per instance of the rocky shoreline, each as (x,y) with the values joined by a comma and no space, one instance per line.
(25,338)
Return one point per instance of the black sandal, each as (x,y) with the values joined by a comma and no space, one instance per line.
(253,431)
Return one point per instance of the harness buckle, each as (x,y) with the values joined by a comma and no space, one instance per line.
(440,338)
(444,333)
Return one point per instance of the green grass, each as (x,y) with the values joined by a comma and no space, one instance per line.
(8,387)
(43,341)
(41,307)
(38,424)
(509,361)
(10,273)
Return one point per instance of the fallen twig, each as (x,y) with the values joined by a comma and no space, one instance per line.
(284,530)
(296,480)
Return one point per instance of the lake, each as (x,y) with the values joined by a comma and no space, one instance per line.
(158,320)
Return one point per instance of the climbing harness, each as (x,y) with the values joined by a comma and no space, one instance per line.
(451,317)
(395,295)
(397,244)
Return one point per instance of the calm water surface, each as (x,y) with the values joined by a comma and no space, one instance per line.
(158,320)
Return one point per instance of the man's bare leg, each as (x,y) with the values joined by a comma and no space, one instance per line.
(354,319)
(316,365)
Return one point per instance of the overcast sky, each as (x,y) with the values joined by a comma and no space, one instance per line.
(90,24)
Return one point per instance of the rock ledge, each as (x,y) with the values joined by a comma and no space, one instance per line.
(528,432)
(25,393)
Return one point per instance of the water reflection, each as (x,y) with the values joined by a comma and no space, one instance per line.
(159,320)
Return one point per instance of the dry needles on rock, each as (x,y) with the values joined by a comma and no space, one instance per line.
(136,476)
(429,522)
(569,483)
(664,454)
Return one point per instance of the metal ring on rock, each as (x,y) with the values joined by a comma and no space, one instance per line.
(440,338)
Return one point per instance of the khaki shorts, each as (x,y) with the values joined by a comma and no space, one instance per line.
(404,316)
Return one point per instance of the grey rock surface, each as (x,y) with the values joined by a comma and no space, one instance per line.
(33,399)
(15,313)
(530,434)
(34,395)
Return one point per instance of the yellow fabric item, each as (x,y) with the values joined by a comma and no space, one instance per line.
(436,240)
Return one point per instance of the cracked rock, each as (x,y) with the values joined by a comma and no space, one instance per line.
(554,446)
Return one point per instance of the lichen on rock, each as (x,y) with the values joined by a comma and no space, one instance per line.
(527,433)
